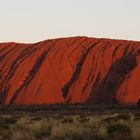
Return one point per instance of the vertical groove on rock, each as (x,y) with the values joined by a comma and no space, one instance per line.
(33,72)
(77,71)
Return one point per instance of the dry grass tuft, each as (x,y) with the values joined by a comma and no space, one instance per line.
(68,126)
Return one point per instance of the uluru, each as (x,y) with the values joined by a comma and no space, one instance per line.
(70,70)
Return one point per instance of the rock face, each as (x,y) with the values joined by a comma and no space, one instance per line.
(70,70)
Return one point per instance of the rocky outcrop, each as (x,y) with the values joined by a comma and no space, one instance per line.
(70,70)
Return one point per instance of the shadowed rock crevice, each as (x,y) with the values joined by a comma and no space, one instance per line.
(7,52)
(32,74)
(23,55)
(3,95)
(15,64)
(76,74)
(105,91)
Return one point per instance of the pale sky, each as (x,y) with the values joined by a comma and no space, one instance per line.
(37,20)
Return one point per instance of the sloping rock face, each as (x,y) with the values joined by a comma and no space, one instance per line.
(70,70)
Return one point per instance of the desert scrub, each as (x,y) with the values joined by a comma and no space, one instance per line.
(70,131)
(4,132)
(7,119)
(135,125)
(31,130)
(5,122)
(49,125)
(67,120)
(22,135)
(119,132)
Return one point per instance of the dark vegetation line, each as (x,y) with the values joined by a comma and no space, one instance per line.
(71,107)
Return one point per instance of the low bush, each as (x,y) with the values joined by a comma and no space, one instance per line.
(119,132)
